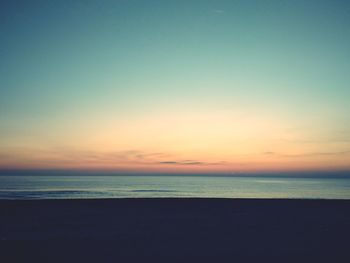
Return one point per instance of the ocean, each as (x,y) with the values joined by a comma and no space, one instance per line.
(77,187)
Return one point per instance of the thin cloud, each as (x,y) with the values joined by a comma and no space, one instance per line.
(269,153)
(339,153)
(169,162)
(320,154)
(67,155)
(191,162)
(71,155)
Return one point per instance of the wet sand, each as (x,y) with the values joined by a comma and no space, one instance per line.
(175,230)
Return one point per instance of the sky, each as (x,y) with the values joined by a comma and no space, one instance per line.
(175,86)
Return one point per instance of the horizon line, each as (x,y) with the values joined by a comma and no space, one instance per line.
(95,172)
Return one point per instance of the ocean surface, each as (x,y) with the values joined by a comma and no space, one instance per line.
(75,187)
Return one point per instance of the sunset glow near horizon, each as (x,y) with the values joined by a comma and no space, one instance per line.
(175,86)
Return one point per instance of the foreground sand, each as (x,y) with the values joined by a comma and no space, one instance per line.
(169,230)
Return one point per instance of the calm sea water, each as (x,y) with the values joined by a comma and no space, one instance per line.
(74,187)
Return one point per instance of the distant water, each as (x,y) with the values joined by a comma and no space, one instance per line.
(75,187)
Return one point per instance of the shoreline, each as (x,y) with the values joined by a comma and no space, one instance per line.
(177,198)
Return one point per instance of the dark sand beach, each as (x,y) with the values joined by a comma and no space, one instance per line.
(175,230)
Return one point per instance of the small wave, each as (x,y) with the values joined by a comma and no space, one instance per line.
(152,191)
(45,194)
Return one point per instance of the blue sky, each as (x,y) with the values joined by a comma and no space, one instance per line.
(96,75)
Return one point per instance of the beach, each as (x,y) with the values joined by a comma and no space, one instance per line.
(175,230)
